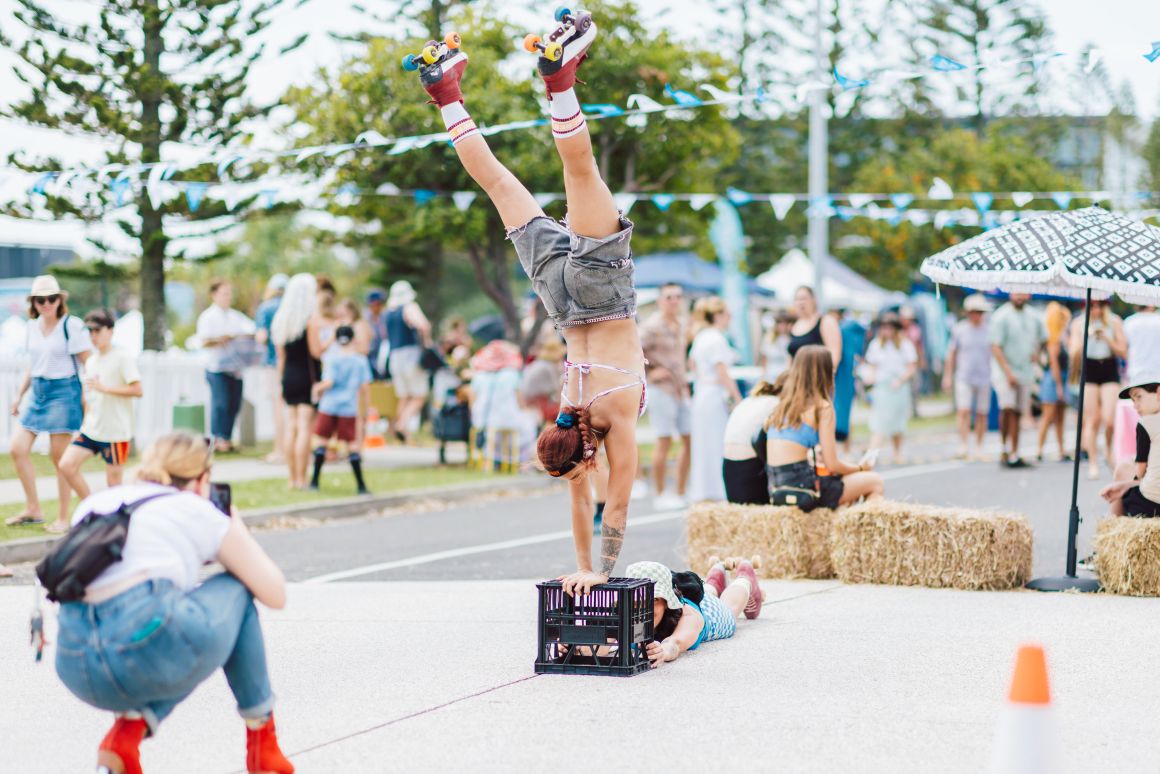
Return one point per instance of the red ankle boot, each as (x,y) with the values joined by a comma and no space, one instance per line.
(118,752)
(262,751)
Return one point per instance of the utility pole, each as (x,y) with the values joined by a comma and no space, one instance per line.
(819,157)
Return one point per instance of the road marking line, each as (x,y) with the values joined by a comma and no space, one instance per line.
(454,553)
(548,537)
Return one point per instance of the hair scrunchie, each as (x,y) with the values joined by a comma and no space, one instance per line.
(566,421)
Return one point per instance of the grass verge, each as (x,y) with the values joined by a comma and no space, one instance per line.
(337,482)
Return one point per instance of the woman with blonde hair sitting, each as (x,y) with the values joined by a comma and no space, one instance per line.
(804,420)
(147,633)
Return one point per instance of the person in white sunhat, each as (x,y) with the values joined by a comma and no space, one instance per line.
(968,372)
(58,345)
(1136,490)
(688,612)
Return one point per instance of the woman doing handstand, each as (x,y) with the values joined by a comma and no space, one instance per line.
(582,271)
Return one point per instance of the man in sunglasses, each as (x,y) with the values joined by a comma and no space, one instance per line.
(111,382)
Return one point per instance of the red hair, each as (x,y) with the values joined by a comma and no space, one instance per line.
(567,443)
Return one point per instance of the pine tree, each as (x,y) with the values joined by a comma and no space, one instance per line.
(980,32)
(144,74)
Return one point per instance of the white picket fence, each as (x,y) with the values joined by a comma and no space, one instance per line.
(167,379)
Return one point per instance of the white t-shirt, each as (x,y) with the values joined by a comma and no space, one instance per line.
(216,322)
(747,419)
(710,348)
(1143,332)
(171,537)
(890,362)
(110,417)
(52,357)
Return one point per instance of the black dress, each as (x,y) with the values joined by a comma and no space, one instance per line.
(812,336)
(300,371)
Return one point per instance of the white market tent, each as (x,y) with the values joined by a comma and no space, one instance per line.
(841,285)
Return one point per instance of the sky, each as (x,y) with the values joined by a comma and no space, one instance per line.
(1122,29)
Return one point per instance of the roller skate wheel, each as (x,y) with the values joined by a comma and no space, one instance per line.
(430,54)
(453,40)
(530,43)
(409,63)
(583,23)
(562,12)
(553,52)
(713,562)
(756,562)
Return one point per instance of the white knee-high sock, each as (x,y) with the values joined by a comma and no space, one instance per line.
(458,122)
(567,118)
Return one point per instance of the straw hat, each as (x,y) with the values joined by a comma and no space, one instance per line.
(401,293)
(662,578)
(46,285)
(977,303)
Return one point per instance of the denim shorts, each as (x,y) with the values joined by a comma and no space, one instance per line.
(55,406)
(579,279)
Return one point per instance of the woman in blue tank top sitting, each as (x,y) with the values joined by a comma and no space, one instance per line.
(805,419)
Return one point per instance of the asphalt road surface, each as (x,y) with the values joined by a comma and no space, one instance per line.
(529,536)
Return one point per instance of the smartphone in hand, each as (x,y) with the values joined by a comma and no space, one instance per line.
(870,458)
(221,496)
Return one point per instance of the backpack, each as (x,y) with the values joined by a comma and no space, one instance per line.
(96,543)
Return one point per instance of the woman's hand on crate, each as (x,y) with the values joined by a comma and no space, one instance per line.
(581,582)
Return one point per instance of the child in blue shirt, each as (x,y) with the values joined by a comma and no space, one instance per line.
(345,376)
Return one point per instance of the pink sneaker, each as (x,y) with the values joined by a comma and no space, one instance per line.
(440,76)
(716,578)
(565,48)
(756,595)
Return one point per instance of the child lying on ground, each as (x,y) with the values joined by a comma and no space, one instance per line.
(687,612)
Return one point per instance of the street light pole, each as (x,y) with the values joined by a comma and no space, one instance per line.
(819,157)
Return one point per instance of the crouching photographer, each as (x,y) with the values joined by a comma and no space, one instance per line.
(139,634)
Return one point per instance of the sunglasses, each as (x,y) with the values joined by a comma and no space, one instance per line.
(95,328)
(46,299)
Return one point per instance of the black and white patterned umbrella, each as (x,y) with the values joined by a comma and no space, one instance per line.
(1084,253)
(1063,253)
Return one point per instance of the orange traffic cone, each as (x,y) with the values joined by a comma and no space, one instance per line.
(1026,741)
(373,436)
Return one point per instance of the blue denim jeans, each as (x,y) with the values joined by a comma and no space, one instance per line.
(225,392)
(146,649)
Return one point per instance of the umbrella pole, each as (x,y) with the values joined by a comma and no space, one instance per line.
(1070,582)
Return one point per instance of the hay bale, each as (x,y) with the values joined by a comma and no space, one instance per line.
(791,543)
(1128,556)
(908,544)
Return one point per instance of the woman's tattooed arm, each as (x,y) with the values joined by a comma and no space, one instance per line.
(611,541)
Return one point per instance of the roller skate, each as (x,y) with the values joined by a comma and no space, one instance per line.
(564,50)
(716,575)
(118,753)
(756,595)
(440,67)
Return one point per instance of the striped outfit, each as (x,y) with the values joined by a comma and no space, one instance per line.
(720,623)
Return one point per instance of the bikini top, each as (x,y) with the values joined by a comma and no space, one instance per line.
(586,368)
(802,435)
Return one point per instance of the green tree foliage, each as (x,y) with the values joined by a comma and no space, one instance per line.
(980,32)
(415,241)
(999,161)
(1152,158)
(144,74)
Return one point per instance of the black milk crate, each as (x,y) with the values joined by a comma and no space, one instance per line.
(601,633)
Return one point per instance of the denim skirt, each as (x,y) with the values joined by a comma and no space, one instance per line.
(55,406)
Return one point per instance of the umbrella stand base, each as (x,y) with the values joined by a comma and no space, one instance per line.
(1065,583)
